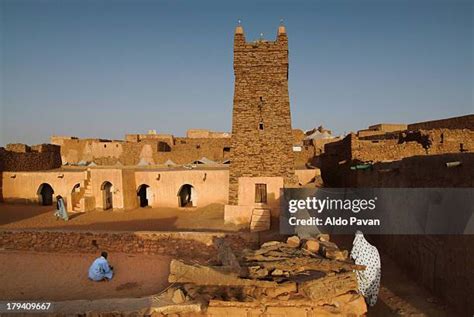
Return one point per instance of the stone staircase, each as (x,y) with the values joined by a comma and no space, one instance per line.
(85,200)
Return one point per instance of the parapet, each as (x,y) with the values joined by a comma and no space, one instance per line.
(21,157)
(205,134)
(240,42)
(461,122)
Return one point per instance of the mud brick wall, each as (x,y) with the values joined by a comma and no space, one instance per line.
(411,149)
(305,156)
(375,151)
(199,246)
(20,157)
(335,162)
(441,263)
(463,122)
(449,140)
(262,137)
(418,171)
(151,151)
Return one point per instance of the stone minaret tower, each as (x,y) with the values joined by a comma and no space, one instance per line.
(261,121)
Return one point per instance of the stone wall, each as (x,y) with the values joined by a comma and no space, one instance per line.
(414,159)
(205,134)
(20,157)
(410,150)
(262,137)
(463,122)
(144,151)
(196,245)
(443,264)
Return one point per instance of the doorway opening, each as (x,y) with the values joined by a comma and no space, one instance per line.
(142,194)
(45,194)
(107,196)
(187,196)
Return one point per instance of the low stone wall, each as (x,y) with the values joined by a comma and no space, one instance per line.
(196,245)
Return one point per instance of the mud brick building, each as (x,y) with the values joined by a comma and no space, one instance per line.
(262,142)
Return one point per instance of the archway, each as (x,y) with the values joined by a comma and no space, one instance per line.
(76,188)
(75,197)
(107,196)
(187,196)
(142,194)
(45,194)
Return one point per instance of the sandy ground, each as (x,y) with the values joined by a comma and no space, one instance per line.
(209,218)
(58,277)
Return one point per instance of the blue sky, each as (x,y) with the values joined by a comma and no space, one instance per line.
(106,68)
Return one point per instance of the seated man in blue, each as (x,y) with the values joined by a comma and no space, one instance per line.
(100,269)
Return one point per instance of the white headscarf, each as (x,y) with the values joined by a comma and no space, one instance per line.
(366,254)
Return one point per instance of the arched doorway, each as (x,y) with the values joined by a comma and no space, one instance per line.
(75,196)
(107,196)
(142,194)
(187,196)
(45,194)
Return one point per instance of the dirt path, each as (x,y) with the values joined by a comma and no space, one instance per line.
(210,218)
(58,277)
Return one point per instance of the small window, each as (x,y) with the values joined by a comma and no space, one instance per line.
(261,98)
(261,193)
(260,126)
(198,146)
(105,145)
(227,149)
(163,147)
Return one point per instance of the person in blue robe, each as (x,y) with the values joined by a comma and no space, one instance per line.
(100,269)
(61,212)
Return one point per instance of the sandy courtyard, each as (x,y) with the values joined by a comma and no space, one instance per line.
(209,218)
(57,277)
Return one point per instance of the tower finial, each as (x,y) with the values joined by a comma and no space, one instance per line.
(281,28)
(239,29)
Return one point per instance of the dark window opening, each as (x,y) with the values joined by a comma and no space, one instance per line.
(198,146)
(260,126)
(261,193)
(105,145)
(227,149)
(442,138)
(261,98)
(163,147)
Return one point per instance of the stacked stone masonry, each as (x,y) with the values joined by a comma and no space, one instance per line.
(262,138)
(20,157)
(196,245)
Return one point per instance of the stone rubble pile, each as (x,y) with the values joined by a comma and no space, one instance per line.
(299,271)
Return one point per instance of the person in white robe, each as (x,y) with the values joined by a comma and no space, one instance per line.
(363,253)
